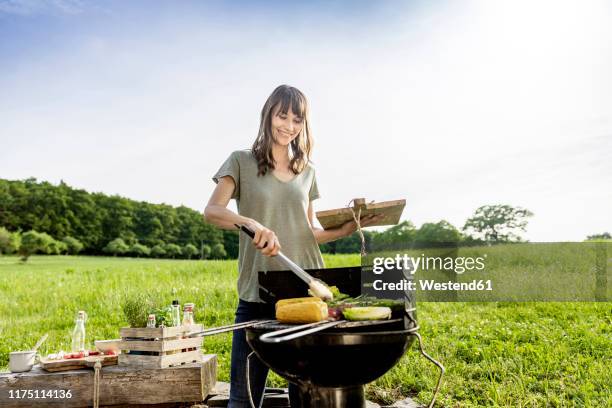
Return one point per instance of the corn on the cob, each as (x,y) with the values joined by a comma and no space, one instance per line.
(302,312)
(296,300)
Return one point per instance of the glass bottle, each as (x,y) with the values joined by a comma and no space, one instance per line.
(176,313)
(188,314)
(151,321)
(188,319)
(78,334)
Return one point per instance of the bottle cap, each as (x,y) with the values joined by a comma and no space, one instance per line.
(175,302)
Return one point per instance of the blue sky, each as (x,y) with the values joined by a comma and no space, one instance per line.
(450,105)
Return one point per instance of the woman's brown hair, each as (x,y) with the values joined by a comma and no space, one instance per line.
(285,96)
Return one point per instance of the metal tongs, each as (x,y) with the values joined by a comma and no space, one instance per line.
(316,286)
(227,328)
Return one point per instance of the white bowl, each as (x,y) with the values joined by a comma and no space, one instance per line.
(21,361)
(108,345)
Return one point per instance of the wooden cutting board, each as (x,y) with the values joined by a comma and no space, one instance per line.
(391,212)
(76,363)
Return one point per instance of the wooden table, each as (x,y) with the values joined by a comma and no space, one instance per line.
(119,385)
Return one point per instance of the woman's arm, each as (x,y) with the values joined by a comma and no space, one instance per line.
(217,213)
(322,236)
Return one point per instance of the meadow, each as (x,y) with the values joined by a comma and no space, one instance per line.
(496,354)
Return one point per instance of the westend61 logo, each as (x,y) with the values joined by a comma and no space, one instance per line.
(413,264)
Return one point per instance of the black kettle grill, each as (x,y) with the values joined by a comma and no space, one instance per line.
(332,365)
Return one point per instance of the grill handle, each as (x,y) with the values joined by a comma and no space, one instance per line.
(230,327)
(297,331)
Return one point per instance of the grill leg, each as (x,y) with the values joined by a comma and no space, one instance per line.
(322,397)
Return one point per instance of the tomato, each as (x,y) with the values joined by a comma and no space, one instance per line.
(334,313)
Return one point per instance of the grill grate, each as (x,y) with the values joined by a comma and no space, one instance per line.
(373,325)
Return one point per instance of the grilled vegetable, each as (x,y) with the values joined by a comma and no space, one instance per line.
(307,299)
(302,312)
(334,313)
(363,300)
(338,296)
(366,313)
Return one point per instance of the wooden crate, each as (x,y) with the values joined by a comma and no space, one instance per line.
(164,344)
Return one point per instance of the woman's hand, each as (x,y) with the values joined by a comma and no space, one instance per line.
(265,239)
(351,226)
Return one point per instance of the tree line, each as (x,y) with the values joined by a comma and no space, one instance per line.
(39,217)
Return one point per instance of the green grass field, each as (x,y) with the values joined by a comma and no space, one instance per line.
(496,354)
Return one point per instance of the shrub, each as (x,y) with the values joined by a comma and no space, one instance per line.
(218,252)
(32,242)
(158,251)
(172,250)
(116,247)
(206,251)
(9,241)
(189,251)
(139,250)
(73,245)
(55,247)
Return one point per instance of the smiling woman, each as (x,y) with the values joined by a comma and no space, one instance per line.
(284,130)
(274,185)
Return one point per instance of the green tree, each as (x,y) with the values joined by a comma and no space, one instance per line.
(48,245)
(15,241)
(9,241)
(437,233)
(230,242)
(189,251)
(116,247)
(218,252)
(5,237)
(73,245)
(158,251)
(172,250)
(206,251)
(351,244)
(599,237)
(139,250)
(31,243)
(95,219)
(147,226)
(398,236)
(498,223)
(55,247)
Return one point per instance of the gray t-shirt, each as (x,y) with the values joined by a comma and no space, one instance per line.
(278,205)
